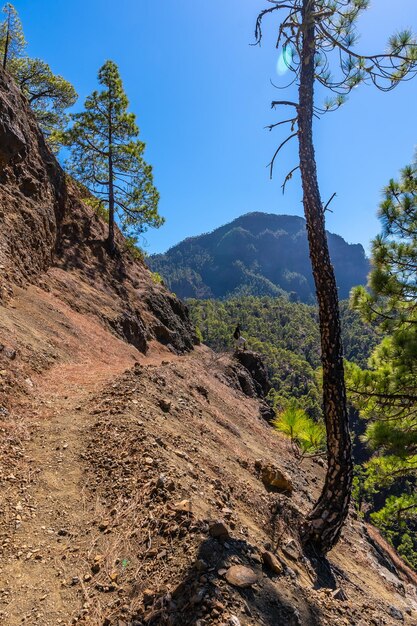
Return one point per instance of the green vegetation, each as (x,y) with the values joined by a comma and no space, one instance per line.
(12,39)
(48,94)
(157,278)
(306,435)
(385,391)
(287,336)
(107,157)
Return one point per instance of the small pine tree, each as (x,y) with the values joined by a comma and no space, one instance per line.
(107,157)
(307,435)
(12,39)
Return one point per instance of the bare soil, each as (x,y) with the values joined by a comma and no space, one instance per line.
(114,467)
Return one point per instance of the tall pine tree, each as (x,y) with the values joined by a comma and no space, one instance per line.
(318,38)
(107,157)
(48,94)
(12,39)
(386,392)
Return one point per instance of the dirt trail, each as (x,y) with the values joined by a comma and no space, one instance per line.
(50,513)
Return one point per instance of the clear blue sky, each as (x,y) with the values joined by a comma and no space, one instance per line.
(202,97)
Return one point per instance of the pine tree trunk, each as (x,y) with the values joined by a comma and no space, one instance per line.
(110,238)
(6,45)
(323,526)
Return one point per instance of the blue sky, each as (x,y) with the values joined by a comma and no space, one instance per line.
(202,97)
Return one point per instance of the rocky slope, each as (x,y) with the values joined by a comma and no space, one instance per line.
(139,482)
(258,254)
(48,236)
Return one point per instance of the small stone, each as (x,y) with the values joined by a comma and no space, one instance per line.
(339,594)
(274,478)
(198,597)
(104,525)
(219,530)
(396,613)
(200,565)
(234,621)
(271,562)
(184,505)
(165,405)
(290,549)
(241,576)
(95,568)
(148,596)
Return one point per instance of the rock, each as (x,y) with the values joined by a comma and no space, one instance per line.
(291,549)
(200,565)
(271,562)
(184,505)
(266,412)
(274,478)
(165,405)
(234,621)
(241,576)
(396,613)
(218,529)
(148,596)
(339,594)
(254,364)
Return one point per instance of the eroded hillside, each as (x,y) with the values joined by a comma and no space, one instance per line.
(135,472)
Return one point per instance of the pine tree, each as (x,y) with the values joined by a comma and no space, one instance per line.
(107,157)
(309,32)
(386,392)
(12,39)
(49,95)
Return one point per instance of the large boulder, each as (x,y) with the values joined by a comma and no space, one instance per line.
(254,364)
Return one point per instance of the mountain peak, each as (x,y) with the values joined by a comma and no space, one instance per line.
(256,254)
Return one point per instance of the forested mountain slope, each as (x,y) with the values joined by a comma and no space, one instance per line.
(287,336)
(256,254)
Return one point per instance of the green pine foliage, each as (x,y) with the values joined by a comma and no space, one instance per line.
(48,94)
(385,390)
(12,39)
(306,435)
(108,157)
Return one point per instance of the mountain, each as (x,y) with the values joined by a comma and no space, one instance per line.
(138,478)
(256,254)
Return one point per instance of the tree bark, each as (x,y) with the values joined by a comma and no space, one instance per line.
(110,237)
(323,525)
(6,45)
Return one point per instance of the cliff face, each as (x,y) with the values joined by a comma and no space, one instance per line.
(32,193)
(49,237)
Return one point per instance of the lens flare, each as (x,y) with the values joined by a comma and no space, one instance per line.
(284,61)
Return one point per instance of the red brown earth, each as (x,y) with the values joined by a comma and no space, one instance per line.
(131,463)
